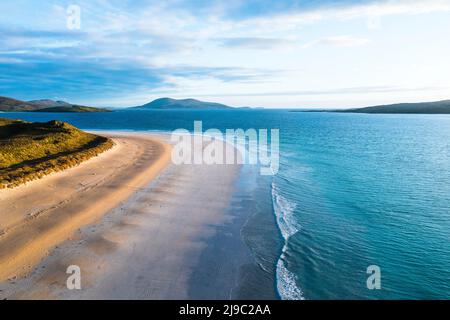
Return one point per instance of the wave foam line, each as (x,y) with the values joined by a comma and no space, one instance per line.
(286,280)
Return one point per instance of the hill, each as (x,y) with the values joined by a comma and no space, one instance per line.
(29,151)
(438,107)
(11,105)
(47,103)
(191,104)
(72,108)
(14,105)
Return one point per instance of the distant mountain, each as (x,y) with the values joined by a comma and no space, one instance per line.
(11,105)
(45,105)
(71,108)
(438,107)
(191,104)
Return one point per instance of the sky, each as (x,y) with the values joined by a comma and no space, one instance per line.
(274,54)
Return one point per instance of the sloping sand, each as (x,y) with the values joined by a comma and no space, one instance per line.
(36,217)
(148,246)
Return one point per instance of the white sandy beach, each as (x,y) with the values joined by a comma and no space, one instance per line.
(132,237)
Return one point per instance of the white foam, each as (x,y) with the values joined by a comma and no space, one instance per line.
(286,283)
(284,212)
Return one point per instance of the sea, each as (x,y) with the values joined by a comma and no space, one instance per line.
(359,208)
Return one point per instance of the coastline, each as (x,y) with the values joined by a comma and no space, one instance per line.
(249,245)
(39,215)
(178,236)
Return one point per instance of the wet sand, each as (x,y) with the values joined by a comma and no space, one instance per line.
(149,246)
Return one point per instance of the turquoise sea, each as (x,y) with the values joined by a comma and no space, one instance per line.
(353,190)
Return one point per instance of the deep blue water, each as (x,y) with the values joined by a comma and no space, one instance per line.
(353,190)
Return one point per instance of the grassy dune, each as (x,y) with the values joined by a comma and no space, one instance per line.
(29,151)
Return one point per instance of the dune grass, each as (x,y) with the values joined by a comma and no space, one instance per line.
(29,151)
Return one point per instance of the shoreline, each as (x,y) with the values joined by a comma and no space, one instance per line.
(249,245)
(157,220)
(43,213)
(183,235)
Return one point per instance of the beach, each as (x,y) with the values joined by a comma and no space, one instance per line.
(137,226)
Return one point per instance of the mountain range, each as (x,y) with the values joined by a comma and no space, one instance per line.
(47,105)
(44,105)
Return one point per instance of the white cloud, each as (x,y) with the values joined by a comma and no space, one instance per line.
(339,41)
(394,7)
(256,42)
(153,32)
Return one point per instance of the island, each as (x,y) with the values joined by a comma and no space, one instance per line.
(186,104)
(437,107)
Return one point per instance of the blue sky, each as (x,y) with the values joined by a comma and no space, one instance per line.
(242,53)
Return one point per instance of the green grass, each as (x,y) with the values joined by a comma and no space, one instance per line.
(29,151)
